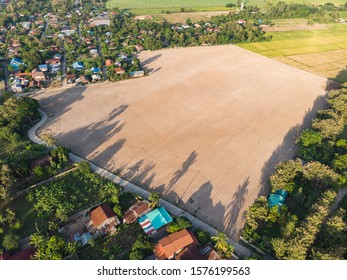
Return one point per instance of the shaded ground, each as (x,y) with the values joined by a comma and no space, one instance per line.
(204,129)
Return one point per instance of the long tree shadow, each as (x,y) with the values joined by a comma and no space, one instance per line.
(287,150)
(233,216)
(86,141)
(57,104)
(148,61)
(183,170)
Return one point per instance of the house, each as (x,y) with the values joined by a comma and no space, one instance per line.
(68,32)
(70,78)
(173,244)
(82,79)
(109,62)
(185,26)
(119,70)
(136,74)
(38,76)
(193,252)
(57,56)
(93,51)
(53,61)
(241,21)
(17,88)
(139,48)
(54,68)
(43,67)
(95,70)
(78,66)
(102,220)
(15,63)
(97,21)
(136,211)
(96,77)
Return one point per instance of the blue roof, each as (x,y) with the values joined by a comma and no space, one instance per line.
(78,65)
(16,60)
(43,66)
(95,70)
(158,217)
(277,198)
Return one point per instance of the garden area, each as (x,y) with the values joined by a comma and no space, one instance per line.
(59,199)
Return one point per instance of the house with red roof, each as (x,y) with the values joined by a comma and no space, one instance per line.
(135,211)
(102,220)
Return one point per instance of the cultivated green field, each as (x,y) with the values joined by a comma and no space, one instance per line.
(323,52)
(157,6)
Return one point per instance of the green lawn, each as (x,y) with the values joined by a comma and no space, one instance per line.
(77,190)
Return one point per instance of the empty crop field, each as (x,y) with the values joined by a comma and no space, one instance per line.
(322,52)
(204,129)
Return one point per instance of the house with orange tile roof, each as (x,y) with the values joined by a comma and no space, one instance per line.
(102,220)
(172,245)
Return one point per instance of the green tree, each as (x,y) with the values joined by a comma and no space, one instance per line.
(11,241)
(179,224)
(154,200)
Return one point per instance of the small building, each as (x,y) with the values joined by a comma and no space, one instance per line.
(70,78)
(53,61)
(95,70)
(102,220)
(97,21)
(109,62)
(57,56)
(135,211)
(173,244)
(38,76)
(139,48)
(119,70)
(78,66)
(96,77)
(17,88)
(43,67)
(137,74)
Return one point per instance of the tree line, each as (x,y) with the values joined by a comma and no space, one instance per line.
(306,228)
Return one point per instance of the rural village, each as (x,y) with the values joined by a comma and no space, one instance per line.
(87,169)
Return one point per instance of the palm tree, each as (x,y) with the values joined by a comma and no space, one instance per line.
(154,199)
(220,241)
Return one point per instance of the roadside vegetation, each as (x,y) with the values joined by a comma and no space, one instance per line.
(307,227)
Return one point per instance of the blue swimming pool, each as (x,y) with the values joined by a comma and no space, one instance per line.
(158,217)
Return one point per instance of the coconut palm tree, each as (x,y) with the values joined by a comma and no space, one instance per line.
(220,241)
(154,200)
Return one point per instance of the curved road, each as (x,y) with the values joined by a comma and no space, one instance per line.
(240,250)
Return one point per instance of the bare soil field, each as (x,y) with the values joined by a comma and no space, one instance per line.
(204,129)
(193,16)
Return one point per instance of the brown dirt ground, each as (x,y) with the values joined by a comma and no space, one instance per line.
(193,16)
(204,129)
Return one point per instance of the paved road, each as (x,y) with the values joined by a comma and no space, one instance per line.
(240,250)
